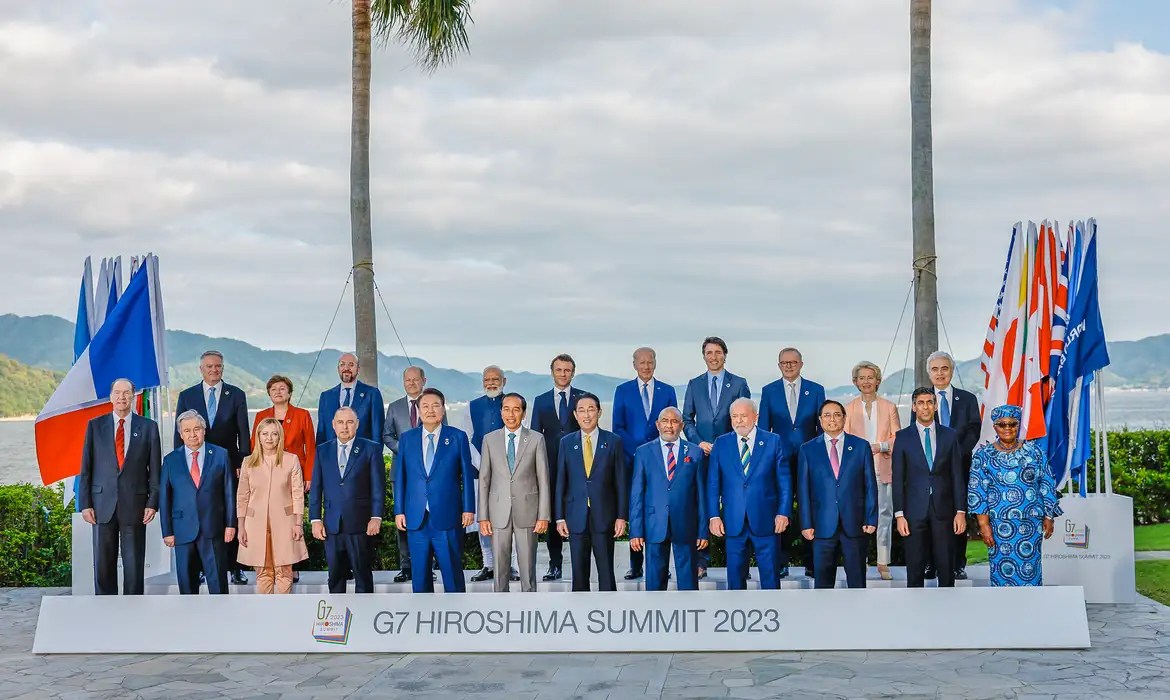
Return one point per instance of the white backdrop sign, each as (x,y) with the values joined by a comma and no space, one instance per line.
(1092,547)
(158,556)
(876,618)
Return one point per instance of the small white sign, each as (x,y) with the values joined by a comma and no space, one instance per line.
(1092,547)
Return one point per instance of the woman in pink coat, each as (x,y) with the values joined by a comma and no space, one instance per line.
(871,417)
(270,506)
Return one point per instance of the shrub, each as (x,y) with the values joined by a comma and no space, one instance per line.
(36,533)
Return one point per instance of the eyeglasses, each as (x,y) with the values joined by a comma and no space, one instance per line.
(790,363)
(1007,425)
(832,415)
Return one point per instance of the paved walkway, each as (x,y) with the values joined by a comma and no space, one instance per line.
(1130,658)
(1150,556)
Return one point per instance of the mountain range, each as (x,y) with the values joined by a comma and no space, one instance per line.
(45,343)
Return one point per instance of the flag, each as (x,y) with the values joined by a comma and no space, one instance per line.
(1085,352)
(128,345)
(1006,332)
(84,329)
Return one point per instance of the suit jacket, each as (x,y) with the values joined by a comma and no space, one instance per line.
(187,512)
(886,415)
(272,498)
(545,422)
(848,501)
(230,430)
(965,420)
(630,421)
(397,423)
(133,489)
(757,497)
(299,437)
(520,498)
(593,503)
(350,501)
(916,486)
(674,508)
(774,413)
(448,491)
(701,425)
(366,403)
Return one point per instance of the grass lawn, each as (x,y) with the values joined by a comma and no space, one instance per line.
(976,552)
(1152,538)
(1153,580)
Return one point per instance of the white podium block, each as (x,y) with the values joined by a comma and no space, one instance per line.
(1092,547)
(158,556)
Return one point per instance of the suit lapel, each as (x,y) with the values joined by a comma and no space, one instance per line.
(599,451)
(725,398)
(522,438)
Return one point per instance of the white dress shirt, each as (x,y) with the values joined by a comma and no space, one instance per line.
(649,392)
(218,386)
(344,452)
(352,394)
(938,400)
(557,398)
(839,449)
(677,442)
(199,459)
(436,432)
(721,375)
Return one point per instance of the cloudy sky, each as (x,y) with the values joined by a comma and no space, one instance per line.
(592,177)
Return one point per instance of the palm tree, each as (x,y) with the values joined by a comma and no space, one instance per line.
(436,31)
(922,192)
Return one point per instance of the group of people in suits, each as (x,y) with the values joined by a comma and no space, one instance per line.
(795,468)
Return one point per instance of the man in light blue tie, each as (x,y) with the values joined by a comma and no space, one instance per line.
(959,410)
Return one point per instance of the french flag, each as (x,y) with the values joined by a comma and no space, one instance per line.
(129,345)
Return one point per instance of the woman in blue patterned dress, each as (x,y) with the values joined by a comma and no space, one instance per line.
(1014,496)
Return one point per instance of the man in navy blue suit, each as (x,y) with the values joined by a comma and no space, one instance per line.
(591,500)
(789,407)
(959,410)
(225,409)
(748,474)
(668,504)
(837,489)
(434,495)
(346,500)
(365,400)
(930,492)
(636,405)
(707,405)
(552,417)
(198,507)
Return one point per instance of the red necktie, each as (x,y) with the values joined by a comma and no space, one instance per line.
(834,459)
(120,442)
(195,467)
(414,413)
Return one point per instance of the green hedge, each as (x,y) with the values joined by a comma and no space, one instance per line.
(35,528)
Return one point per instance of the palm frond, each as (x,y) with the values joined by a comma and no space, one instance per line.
(434,30)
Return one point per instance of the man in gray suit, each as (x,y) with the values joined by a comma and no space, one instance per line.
(514,494)
(118,490)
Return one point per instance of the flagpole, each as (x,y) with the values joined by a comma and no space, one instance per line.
(1104,434)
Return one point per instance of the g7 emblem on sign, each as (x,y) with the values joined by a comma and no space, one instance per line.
(323,610)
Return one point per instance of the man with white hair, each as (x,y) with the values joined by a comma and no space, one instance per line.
(484,416)
(959,410)
(748,476)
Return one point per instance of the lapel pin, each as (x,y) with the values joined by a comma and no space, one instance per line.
(225,393)
(575,447)
(761,443)
(850,448)
(446,441)
(727,385)
(806,392)
(362,395)
(355,449)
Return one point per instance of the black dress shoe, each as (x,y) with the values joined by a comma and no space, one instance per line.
(783,572)
(402,576)
(930,574)
(702,574)
(808,572)
(238,578)
(435,565)
(514,575)
(960,574)
(553,574)
(202,578)
(633,574)
(485,574)
(296,577)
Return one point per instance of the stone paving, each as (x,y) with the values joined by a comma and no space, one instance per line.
(1130,658)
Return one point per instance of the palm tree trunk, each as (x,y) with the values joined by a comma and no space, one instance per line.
(361,236)
(922,192)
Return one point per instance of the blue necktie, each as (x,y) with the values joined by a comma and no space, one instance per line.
(348,397)
(929,450)
(745,456)
(563,409)
(429,459)
(944,409)
(714,395)
(212,407)
(646,401)
(512,453)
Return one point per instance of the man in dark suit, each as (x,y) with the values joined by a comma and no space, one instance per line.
(198,499)
(707,406)
(401,416)
(668,504)
(553,418)
(592,495)
(959,410)
(930,493)
(349,485)
(789,407)
(365,400)
(748,475)
(434,494)
(118,490)
(837,488)
(636,405)
(225,409)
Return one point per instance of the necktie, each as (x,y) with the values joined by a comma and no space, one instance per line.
(588,455)
(745,456)
(792,401)
(414,413)
(834,458)
(563,409)
(512,453)
(195,467)
(944,409)
(212,407)
(714,395)
(344,461)
(929,448)
(348,397)
(120,442)
(429,458)
(670,464)
(646,400)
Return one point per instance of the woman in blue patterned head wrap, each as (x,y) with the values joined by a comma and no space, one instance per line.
(1014,496)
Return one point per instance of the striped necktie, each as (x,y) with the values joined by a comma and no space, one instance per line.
(745,455)
(670,464)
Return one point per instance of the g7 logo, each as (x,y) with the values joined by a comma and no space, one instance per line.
(323,610)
